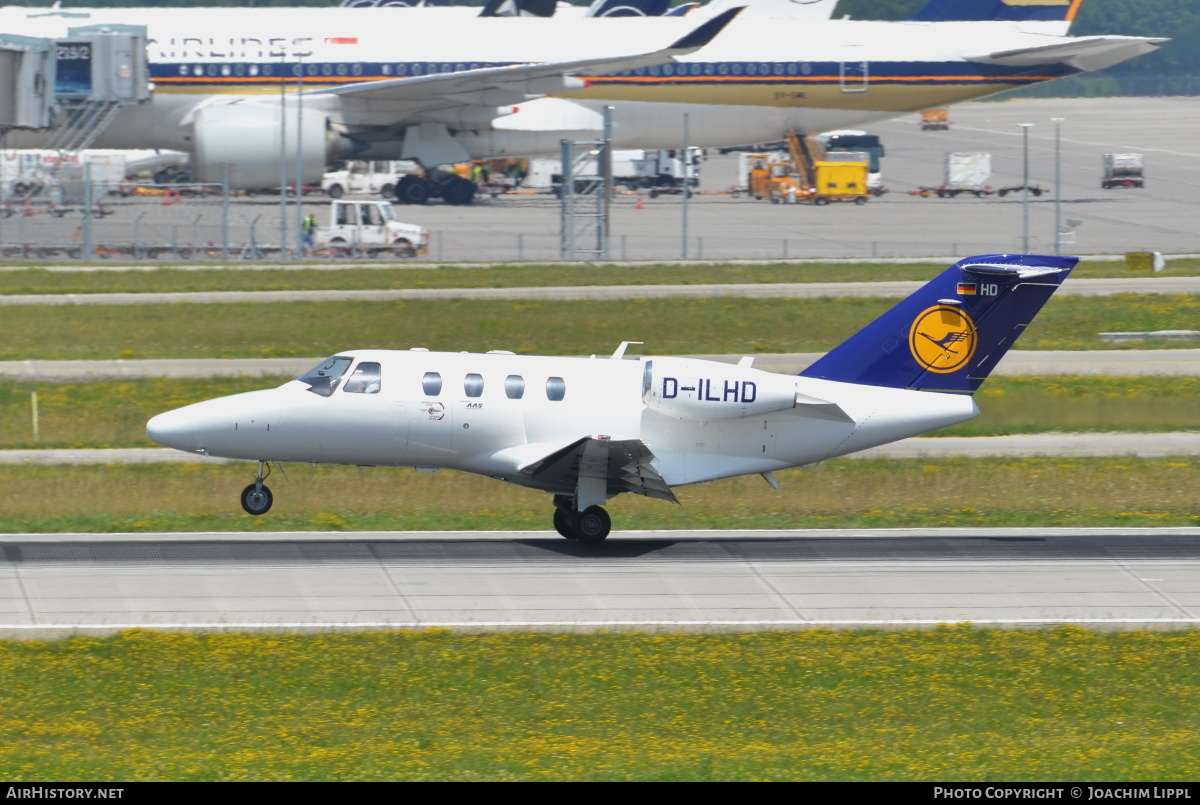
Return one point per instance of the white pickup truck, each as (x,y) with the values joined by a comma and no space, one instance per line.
(368,229)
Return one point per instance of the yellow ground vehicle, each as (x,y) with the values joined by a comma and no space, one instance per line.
(935,120)
(809,178)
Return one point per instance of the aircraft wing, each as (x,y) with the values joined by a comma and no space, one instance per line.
(624,462)
(517,83)
(1085,53)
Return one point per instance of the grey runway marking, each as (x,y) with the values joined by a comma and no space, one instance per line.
(800,290)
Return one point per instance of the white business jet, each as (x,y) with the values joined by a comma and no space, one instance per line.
(588,429)
(375,83)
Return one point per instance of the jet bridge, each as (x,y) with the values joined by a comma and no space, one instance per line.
(26,83)
(74,85)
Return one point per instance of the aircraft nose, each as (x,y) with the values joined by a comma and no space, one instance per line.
(172,429)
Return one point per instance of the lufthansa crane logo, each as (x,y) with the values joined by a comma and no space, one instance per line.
(942,339)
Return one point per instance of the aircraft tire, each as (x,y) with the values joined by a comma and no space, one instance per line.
(458,191)
(562,523)
(591,525)
(255,502)
(412,190)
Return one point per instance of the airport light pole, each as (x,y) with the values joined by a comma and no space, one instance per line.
(1025,187)
(283,166)
(1057,121)
(299,154)
(686,191)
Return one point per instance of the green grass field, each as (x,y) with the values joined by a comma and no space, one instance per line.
(19,280)
(667,326)
(844,493)
(114,413)
(953,703)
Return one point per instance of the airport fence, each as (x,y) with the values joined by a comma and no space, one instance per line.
(176,227)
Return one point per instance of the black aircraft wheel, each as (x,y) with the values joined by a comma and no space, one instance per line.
(412,190)
(591,525)
(458,191)
(562,523)
(257,502)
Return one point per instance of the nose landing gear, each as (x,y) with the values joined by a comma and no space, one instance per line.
(590,526)
(257,498)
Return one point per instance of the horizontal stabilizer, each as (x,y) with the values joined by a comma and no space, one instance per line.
(1005,10)
(1084,53)
(814,408)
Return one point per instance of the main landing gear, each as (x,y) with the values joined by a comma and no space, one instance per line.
(589,526)
(257,498)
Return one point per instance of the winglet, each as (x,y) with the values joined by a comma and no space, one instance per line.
(704,33)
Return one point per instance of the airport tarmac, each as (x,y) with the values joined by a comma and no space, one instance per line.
(1142,445)
(1161,217)
(1157,284)
(1018,363)
(59,584)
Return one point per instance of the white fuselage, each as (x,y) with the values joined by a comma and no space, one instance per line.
(491,431)
(757,79)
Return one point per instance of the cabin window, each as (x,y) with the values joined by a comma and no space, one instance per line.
(778,69)
(344,70)
(751,69)
(722,69)
(556,389)
(386,69)
(254,69)
(473,385)
(708,69)
(431,384)
(737,68)
(695,69)
(401,69)
(514,387)
(364,380)
(668,70)
(323,378)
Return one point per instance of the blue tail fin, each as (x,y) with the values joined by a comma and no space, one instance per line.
(1013,10)
(953,331)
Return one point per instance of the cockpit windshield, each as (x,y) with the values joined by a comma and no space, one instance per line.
(323,378)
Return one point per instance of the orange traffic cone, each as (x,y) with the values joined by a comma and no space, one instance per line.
(638,206)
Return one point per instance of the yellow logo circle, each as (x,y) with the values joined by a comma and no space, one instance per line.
(942,339)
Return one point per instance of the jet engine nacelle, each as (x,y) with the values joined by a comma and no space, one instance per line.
(706,390)
(246,137)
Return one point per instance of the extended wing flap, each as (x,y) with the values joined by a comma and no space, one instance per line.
(1085,53)
(625,464)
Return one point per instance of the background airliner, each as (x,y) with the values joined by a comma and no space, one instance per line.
(586,430)
(381,83)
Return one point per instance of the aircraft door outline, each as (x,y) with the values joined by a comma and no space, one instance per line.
(854,75)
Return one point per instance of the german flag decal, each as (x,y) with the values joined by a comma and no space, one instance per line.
(967,289)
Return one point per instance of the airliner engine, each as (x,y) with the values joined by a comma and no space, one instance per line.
(687,389)
(250,137)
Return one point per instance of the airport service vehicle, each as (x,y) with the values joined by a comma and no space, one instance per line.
(964,173)
(359,177)
(810,176)
(1122,170)
(369,229)
(935,120)
(857,146)
(224,82)
(585,430)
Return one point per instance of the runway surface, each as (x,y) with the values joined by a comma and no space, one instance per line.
(769,290)
(1105,362)
(1144,445)
(57,584)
